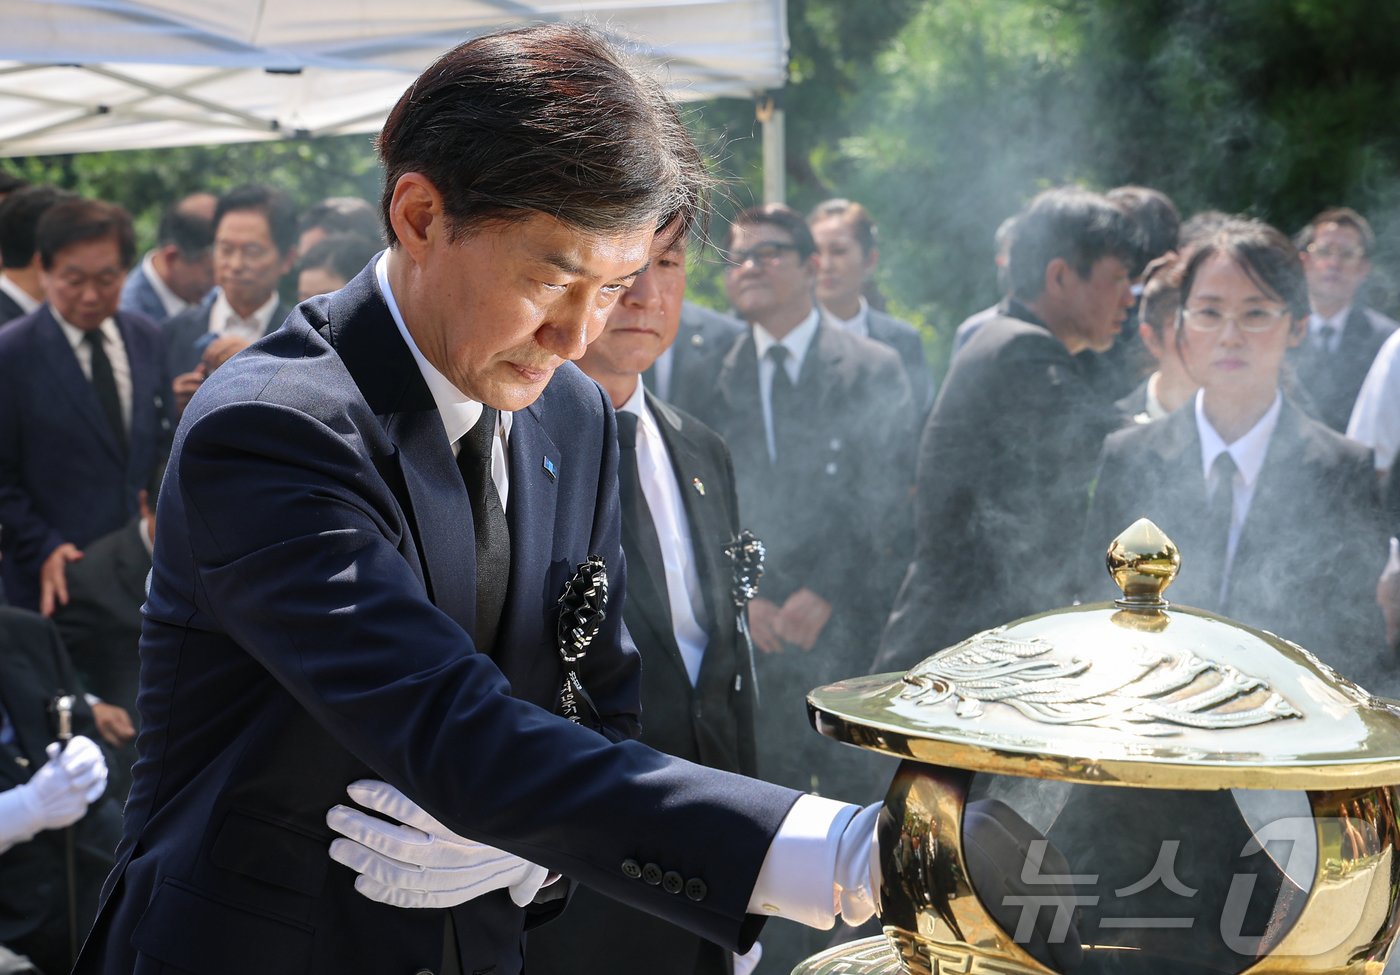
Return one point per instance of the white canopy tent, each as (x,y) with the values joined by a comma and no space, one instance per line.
(88,75)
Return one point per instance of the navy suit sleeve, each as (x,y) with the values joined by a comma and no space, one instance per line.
(294,545)
(26,536)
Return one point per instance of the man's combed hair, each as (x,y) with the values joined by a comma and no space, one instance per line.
(78,221)
(544,120)
(1079,227)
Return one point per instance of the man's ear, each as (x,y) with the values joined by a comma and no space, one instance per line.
(416,214)
(1055,273)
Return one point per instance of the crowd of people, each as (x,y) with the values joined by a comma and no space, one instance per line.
(1214,375)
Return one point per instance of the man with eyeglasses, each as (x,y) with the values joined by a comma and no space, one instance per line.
(1343,334)
(81,425)
(255,244)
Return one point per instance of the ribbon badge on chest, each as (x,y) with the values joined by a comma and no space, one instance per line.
(582,610)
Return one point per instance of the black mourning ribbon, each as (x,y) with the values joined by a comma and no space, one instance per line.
(746,554)
(492,531)
(582,610)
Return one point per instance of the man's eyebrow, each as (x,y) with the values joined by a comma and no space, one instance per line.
(568,266)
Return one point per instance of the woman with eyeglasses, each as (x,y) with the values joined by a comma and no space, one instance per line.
(1276,515)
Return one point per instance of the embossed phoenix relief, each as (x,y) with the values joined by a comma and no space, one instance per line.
(1143,691)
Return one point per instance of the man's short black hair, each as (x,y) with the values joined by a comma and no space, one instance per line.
(277,207)
(1342,217)
(1079,227)
(344,255)
(9,182)
(1154,213)
(75,221)
(191,232)
(784,218)
(19,222)
(342,215)
(549,120)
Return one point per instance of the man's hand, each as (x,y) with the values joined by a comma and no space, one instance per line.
(113,724)
(53,578)
(221,350)
(184,386)
(803,617)
(421,863)
(60,792)
(763,621)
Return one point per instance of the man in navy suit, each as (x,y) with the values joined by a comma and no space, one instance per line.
(178,273)
(81,420)
(368,521)
(21,276)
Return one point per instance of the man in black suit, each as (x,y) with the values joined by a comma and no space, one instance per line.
(1343,334)
(685,374)
(82,424)
(679,511)
(1008,452)
(44,787)
(255,238)
(21,275)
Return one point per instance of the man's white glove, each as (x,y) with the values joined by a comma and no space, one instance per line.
(57,795)
(858,868)
(418,862)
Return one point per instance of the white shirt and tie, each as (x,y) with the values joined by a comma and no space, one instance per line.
(1326,333)
(796,342)
(115,348)
(802,857)
(223,320)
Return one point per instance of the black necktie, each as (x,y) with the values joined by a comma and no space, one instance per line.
(1219,515)
(492,532)
(105,385)
(782,399)
(639,539)
(1325,336)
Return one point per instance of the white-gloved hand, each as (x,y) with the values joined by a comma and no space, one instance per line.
(858,868)
(57,795)
(745,964)
(417,861)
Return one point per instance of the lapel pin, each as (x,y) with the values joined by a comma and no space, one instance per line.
(549,470)
(697,340)
(699,486)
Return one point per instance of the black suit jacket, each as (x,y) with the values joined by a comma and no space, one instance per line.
(833,512)
(906,340)
(184,332)
(64,477)
(697,355)
(1333,379)
(1309,554)
(9,309)
(33,891)
(309,623)
(1003,480)
(711,722)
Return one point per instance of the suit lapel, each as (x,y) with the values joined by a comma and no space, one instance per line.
(141,360)
(741,421)
(1271,510)
(530,513)
(62,364)
(364,334)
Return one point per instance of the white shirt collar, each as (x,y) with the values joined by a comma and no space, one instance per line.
(27,302)
(797,342)
(219,314)
(857,324)
(74,334)
(1248,451)
(1338,321)
(459,413)
(172,302)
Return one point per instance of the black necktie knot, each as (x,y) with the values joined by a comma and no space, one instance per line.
(627,430)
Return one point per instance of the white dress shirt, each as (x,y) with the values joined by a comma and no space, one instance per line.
(797,342)
(795,881)
(169,300)
(1337,322)
(28,304)
(1248,453)
(223,320)
(115,348)
(663,494)
(859,324)
(1375,419)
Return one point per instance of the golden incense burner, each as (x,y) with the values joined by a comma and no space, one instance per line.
(1142,696)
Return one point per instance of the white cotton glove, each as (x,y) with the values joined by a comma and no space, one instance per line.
(421,863)
(745,964)
(858,867)
(57,795)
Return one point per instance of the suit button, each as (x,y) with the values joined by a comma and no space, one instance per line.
(672,882)
(651,873)
(695,889)
(631,868)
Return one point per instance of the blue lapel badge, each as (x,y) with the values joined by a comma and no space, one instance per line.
(549,470)
(699,486)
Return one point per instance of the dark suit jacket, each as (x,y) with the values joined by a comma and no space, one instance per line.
(1309,554)
(309,624)
(1334,379)
(9,309)
(63,475)
(1003,481)
(184,332)
(697,355)
(139,295)
(906,340)
(833,512)
(33,891)
(710,723)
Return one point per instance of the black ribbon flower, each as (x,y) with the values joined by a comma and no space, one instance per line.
(582,610)
(746,555)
